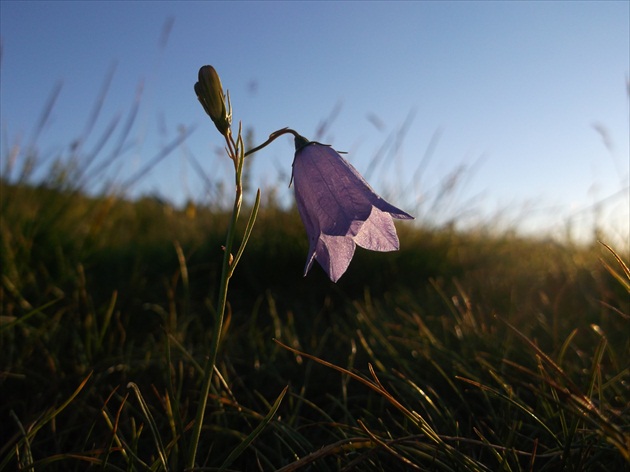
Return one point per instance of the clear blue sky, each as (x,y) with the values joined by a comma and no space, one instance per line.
(514,89)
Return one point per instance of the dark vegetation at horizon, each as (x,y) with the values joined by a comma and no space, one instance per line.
(106,292)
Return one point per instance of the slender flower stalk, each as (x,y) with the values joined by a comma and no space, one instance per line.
(209,98)
(210,94)
(338,209)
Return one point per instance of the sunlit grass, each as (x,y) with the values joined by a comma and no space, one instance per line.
(460,352)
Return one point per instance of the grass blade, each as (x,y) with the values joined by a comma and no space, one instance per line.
(154,430)
(254,434)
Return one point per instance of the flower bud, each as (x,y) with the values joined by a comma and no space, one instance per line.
(210,95)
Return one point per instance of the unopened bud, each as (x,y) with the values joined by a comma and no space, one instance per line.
(210,95)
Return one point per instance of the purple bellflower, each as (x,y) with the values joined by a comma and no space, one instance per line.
(339,209)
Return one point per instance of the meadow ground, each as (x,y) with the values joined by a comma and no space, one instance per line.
(463,351)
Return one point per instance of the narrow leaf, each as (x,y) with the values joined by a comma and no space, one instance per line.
(254,434)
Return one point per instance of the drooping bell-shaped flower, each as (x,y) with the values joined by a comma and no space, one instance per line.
(210,94)
(339,209)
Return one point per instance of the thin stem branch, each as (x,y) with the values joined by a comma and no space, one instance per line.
(272,137)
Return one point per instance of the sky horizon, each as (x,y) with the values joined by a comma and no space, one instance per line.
(522,106)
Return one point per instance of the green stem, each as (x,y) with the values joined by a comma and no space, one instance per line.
(272,137)
(237,154)
(220,312)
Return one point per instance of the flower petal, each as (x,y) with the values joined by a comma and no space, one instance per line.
(334,254)
(339,209)
(329,190)
(378,232)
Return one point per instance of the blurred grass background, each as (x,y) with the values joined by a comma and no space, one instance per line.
(477,349)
